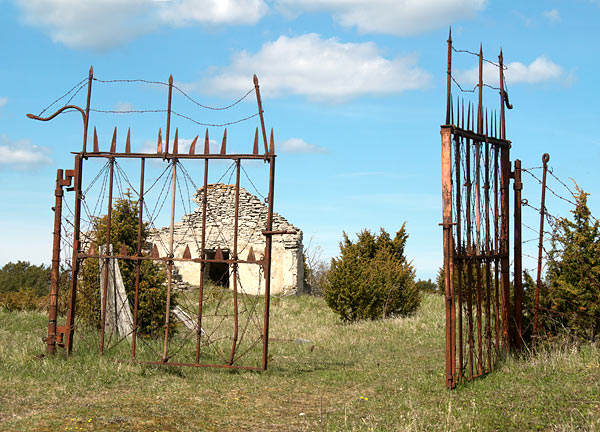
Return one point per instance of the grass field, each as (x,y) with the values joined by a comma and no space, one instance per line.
(370,376)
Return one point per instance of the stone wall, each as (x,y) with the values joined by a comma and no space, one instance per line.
(287,270)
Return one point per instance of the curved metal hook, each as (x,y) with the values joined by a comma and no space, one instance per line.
(66,107)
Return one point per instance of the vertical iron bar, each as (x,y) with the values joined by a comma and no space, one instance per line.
(538,284)
(504,239)
(449,78)
(260,113)
(138,262)
(497,317)
(518,261)
(460,252)
(77,225)
(267,258)
(202,257)
(446,133)
(487,250)
(235,258)
(469,260)
(169,114)
(107,253)
(171,256)
(55,273)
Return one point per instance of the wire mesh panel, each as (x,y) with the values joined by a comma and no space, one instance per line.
(475,179)
(140,220)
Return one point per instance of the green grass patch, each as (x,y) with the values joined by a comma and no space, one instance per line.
(369,376)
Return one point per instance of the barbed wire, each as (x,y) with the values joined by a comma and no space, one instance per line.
(477,55)
(214,124)
(63,96)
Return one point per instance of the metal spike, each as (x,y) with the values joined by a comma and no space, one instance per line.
(96,149)
(486,122)
(451,111)
(186,253)
(218,254)
(92,250)
(255,79)
(255,149)
(251,256)
(224,143)
(469,117)
(272,144)
(123,251)
(159,144)
(193,146)
(462,120)
(176,142)
(206,143)
(154,253)
(113,145)
(128,142)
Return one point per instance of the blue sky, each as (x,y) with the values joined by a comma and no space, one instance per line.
(354,90)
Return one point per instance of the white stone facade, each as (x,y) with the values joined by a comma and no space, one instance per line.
(287,270)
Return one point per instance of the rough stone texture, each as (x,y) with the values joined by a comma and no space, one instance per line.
(287,270)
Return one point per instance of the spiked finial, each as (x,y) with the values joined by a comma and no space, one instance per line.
(123,251)
(255,149)
(96,149)
(128,142)
(251,256)
(91,71)
(193,146)
(463,115)
(154,253)
(206,143)
(224,143)
(186,253)
(469,117)
(176,142)
(159,144)
(255,79)
(219,254)
(113,145)
(272,143)
(171,79)
(450,34)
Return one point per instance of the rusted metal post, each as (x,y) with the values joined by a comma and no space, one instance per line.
(107,252)
(55,273)
(260,113)
(446,133)
(169,115)
(235,263)
(518,257)
(70,324)
(268,246)
(504,235)
(138,262)
(171,256)
(460,251)
(538,284)
(449,78)
(202,249)
(469,248)
(487,252)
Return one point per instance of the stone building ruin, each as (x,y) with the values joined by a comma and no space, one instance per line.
(287,269)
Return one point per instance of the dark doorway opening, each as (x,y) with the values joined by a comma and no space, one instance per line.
(218,272)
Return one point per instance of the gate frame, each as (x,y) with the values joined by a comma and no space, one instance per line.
(63,336)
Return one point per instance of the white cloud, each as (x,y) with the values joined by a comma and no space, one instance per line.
(298,145)
(321,69)
(397,17)
(124,106)
(103,24)
(22,155)
(186,12)
(3,101)
(552,15)
(539,70)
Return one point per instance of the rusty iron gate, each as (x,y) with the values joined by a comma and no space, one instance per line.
(481,325)
(231,331)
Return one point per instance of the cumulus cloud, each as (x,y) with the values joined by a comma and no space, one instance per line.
(149,146)
(3,101)
(320,69)
(298,145)
(397,17)
(22,155)
(552,15)
(540,70)
(103,24)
